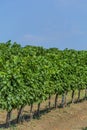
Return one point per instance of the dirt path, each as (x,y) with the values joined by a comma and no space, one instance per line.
(69,118)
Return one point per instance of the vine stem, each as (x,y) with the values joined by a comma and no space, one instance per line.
(19,114)
(56,98)
(38,109)
(31,111)
(8,118)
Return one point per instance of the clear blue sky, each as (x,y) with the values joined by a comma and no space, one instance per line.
(47,23)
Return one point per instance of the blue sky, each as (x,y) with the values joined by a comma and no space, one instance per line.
(47,23)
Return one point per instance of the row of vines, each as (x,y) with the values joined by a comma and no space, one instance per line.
(33,74)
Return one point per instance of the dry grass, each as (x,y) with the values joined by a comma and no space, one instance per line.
(72,117)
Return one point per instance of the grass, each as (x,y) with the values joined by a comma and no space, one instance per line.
(11,128)
(84,128)
(43,106)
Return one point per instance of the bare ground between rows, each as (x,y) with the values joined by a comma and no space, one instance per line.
(69,118)
(72,117)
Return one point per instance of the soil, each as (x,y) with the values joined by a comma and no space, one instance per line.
(72,117)
(69,118)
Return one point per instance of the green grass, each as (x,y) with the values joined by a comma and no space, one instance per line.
(84,128)
(11,128)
